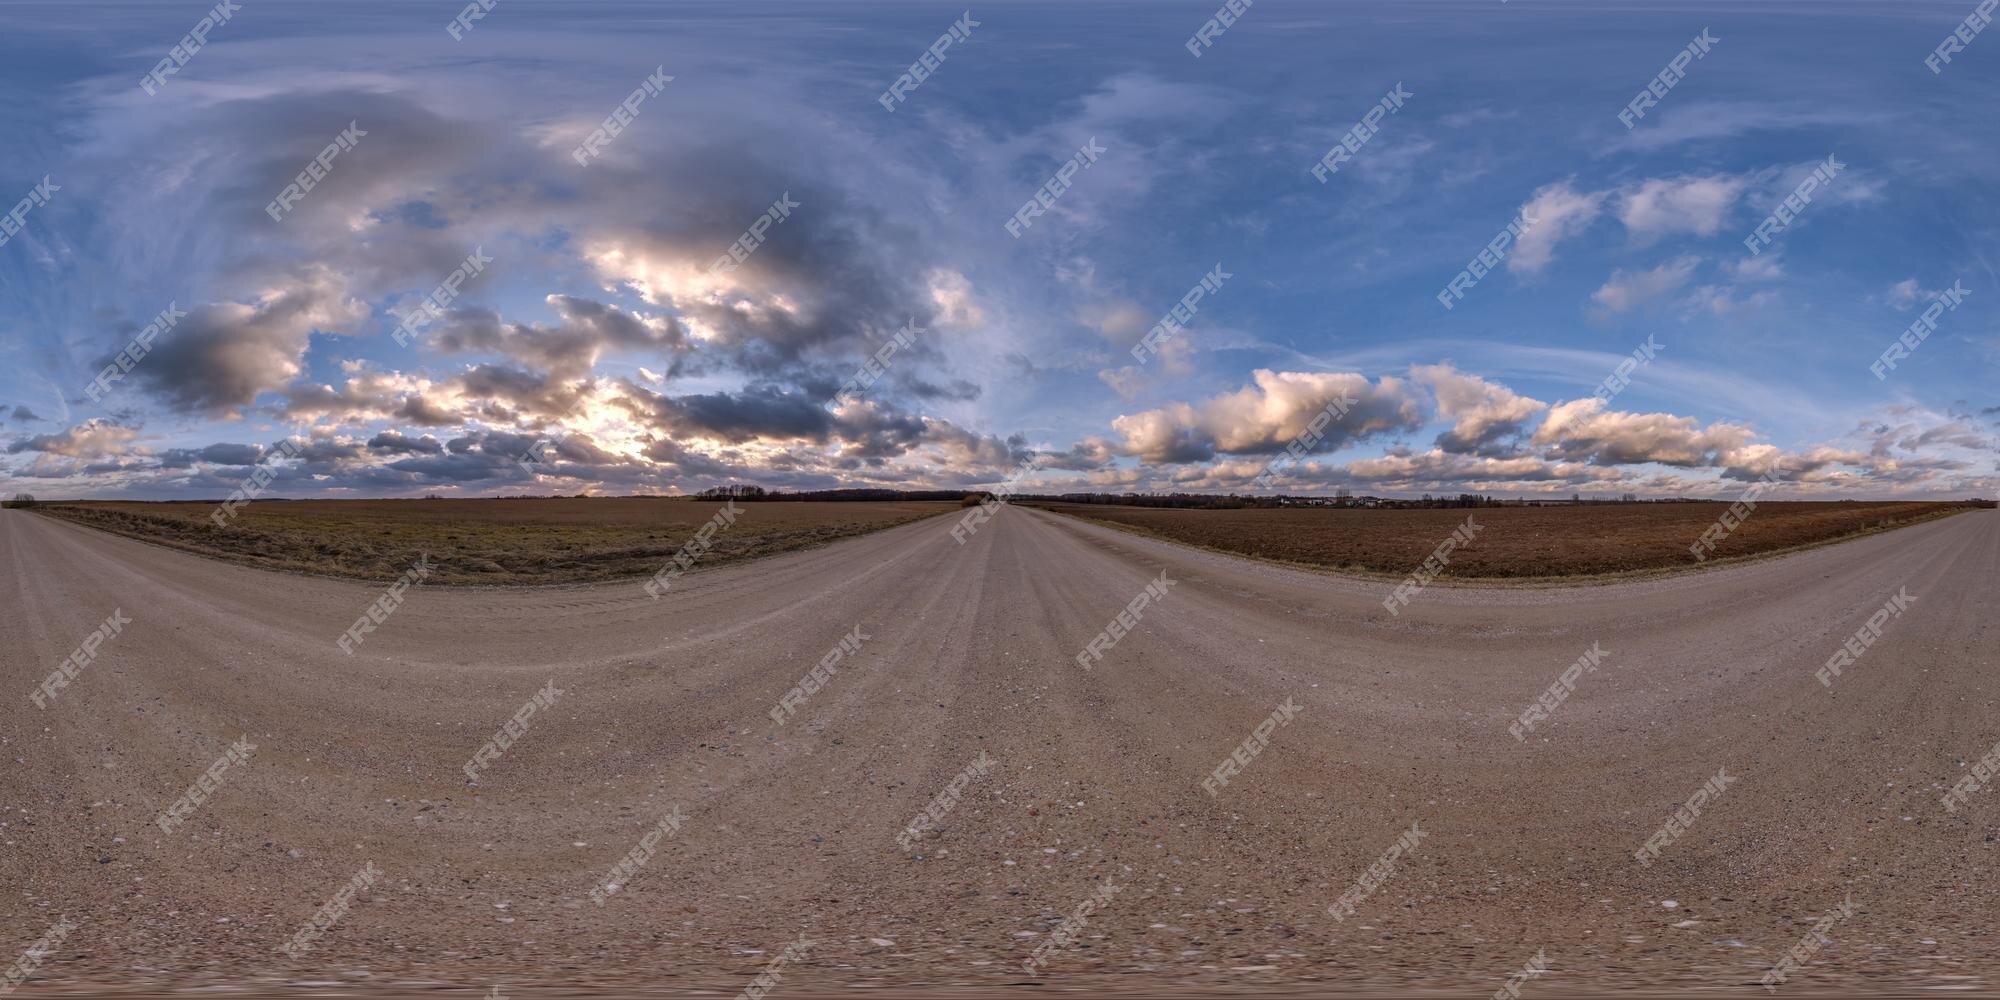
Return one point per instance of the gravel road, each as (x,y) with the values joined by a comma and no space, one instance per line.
(658,715)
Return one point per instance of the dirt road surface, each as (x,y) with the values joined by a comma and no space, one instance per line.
(789,832)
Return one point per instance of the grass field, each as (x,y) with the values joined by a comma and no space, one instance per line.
(1513,542)
(562,540)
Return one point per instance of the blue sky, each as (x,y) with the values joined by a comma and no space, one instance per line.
(600,327)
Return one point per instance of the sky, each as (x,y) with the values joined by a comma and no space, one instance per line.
(721,243)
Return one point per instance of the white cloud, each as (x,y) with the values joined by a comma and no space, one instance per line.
(1584,430)
(1127,381)
(1437,467)
(1766,267)
(1627,289)
(1558,211)
(94,438)
(1851,186)
(1649,209)
(1119,321)
(1481,411)
(1696,205)
(957,306)
(1262,418)
(1906,293)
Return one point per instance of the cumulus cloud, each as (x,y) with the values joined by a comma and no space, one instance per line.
(1089,455)
(1438,467)
(1262,418)
(1585,430)
(1759,461)
(762,412)
(1578,445)
(507,395)
(215,454)
(473,457)
(773,338)
(94,438)
(397,443)
(569,348)
(736,370)
(224,354)
(365,395)
(1481,412)
(828,282)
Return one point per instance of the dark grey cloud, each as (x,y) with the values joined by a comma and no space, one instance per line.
(1963,433)
(956,390)
(410,156)
(570,347)
(503,394)
(397,443)
(507,457)
(424,186)
(877,431)
(215,454)
(418,409)
(837,274)
(462,468)
(1089,455)
(758,412)
(669,452)
(224,354)
(318,454)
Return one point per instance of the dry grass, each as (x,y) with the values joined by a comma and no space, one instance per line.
(564,540)
(1515,542)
